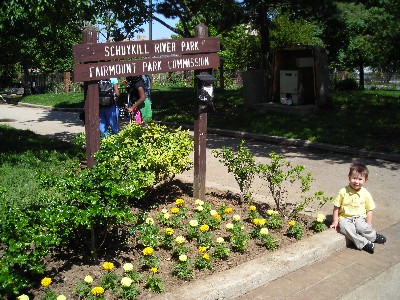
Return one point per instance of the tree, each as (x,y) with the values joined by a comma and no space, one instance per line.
(119,20)
(40,35)
(221,15)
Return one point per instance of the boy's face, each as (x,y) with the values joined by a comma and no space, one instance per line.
(357,180)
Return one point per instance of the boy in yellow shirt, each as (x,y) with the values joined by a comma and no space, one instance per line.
(352,211)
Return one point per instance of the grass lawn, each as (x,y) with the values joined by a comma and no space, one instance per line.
(26,159)
(367,120)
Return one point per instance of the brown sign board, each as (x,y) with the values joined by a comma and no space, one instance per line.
(131,49)
(123,68)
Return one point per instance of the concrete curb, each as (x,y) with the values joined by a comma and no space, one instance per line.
(71,109)
(237,281)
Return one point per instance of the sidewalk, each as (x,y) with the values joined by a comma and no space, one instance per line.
(313,268)
(347,274)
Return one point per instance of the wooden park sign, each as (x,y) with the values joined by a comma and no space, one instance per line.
(161,56)
(96,61)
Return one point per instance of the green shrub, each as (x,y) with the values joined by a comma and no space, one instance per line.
(347,84)
(242,165)
(92,200)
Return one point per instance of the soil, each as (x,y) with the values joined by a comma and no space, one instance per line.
(69,265)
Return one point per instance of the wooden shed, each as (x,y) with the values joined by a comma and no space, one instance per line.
(300,73)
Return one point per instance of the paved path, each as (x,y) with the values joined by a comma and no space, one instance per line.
(305,270)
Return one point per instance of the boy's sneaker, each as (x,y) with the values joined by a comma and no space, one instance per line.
(369,248)
(380,239)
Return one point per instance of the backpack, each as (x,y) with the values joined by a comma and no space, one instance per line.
(147,83)
(106,93)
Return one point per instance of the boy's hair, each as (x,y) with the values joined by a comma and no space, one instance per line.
(359,168)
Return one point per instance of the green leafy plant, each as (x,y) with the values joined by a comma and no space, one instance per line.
(168,238)
(149,259)
(274,220)
(155,283)
(266,239)
(278,173)
(203,261)
(242,165)
(126,289)
(318,224)
(221,252)
(238,237)
(109,279)
(295,230)
(183,268)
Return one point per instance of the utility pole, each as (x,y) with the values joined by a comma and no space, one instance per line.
(151,21)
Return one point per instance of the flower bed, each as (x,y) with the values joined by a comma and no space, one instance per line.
(179,240)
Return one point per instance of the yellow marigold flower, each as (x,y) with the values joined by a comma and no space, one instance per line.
(148,251)
(229,226)
(206,256)
(213,212)
(23,297)
(127,267)
(199,202)
(217,217)
(88,279)
(126,281)
(166,216)
(97,291)
(179,202)
(164,211)
(108,266)
(182,257)
(61,297)
(264,231)
(154,270)
(260,222)
(220,240)
(174,210)
(228,210)
(46,281)
(199,208)
(169,231)
(180,239)
(255,221)
(236,218)
(204,228)
(194,223)
(252,208)
(149,221)
(292,223)
(202,249)
(321,218)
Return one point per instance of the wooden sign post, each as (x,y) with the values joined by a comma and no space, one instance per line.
(96,61)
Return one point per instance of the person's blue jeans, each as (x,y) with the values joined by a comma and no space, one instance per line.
(108,118)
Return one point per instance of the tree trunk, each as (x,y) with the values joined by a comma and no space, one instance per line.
(265,46)
(362,77)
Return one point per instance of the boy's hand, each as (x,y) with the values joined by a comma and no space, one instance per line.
(334,224)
